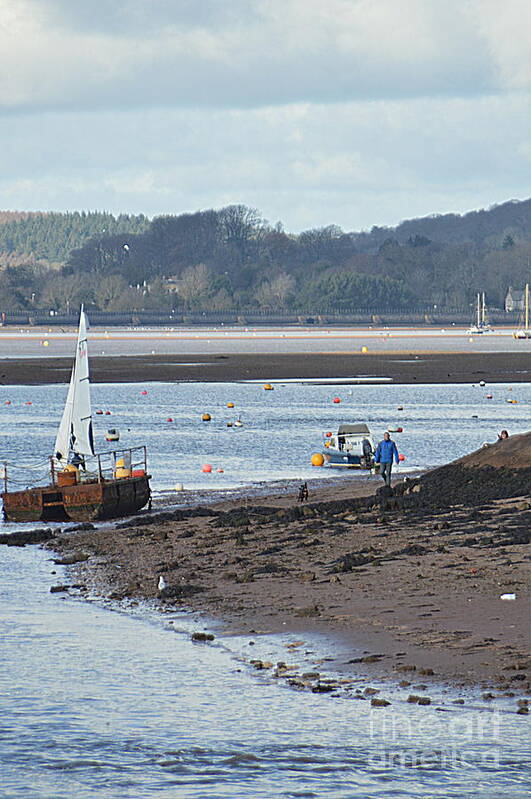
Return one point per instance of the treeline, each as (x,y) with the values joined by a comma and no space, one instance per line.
(49,238)
(233,258)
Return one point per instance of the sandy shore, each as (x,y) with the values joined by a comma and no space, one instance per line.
(409,585)
(402,367)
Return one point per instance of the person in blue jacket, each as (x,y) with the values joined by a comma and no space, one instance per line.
(385,452)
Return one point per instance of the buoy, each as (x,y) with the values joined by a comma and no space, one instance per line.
(400,408)
(99,413)
(179,487)
(482,383)
(29,402)
(512,401)
(401,457)
(268,387)
(206,468)
(229,424)
(329,434)
(238,423)
(45,343)
(169,419)
(317,459)
(489,396)
(206,417)
(144,392)
(471,340)
(219,471)
(107,413)
(336,400)
(230,405)
(365,349)
(399,429)
(7,402)
(112,434)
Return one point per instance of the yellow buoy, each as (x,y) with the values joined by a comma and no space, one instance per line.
(317,459)
(206,417)
(268,387)
(365,349)
(230,405)
(45,343)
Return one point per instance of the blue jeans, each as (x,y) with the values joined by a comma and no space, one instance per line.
(385,471)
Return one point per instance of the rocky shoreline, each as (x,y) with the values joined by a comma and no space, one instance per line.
(408,582)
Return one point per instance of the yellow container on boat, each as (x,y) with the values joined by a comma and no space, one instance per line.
(122,471)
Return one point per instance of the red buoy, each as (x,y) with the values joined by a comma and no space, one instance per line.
(329,435)
(99,413)
(169,419)
(107,413)
(336,400)
(143,392)
(206,468)
(401,457)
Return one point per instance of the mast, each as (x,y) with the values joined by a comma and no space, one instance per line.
(526,307)
(483,309)
(479,311)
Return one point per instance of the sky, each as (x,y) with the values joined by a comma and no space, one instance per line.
(315,112)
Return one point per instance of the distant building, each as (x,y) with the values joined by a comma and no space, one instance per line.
(514,300)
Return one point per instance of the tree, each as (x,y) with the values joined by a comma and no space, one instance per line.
(195,285)
(274,293)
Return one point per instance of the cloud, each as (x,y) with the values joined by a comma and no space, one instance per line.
(249,53)
(355,164)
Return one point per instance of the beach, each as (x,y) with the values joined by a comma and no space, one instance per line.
(408,584)
(407,367)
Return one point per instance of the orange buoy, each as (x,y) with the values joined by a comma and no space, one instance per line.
(268,387)
(219,471)
(206,417)
(206,468)
(317,459)
(336,400)
(29,402)
(329,434)
(230,405)
(401,457)
(144,392)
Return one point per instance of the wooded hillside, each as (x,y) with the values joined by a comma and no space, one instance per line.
(232,257)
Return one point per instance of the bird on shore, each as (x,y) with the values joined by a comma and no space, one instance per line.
(162,583)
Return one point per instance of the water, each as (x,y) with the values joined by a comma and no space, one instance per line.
(281,428)
(112,702)
(99,703)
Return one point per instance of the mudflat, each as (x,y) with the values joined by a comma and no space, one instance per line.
(401,367)
(409,582)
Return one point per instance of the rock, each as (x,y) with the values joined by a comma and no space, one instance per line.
(413,699)
(426,672)
(379,702)
(406,668)
(309,612)
(307,577)
(202,637)
(424,700)
(458,702)
(523,711)
(404,684)
(488,696)
(335,579)
(74,557)
(371,691)
(311,675)
(57,589)
(322,688)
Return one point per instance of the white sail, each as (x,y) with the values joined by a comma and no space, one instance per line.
(75,430)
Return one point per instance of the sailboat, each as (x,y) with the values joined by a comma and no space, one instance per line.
(524,332)
(481,324)
(84,485)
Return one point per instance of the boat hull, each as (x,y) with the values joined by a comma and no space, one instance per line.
(346,460)
(84,502)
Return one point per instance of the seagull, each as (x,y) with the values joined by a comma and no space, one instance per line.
(162,583)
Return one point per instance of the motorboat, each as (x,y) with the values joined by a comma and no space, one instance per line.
(352,447)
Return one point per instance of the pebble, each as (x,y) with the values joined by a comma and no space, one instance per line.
(202,637)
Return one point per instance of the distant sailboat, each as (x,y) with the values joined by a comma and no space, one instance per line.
(523,331)
(84,486)
(481,324)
